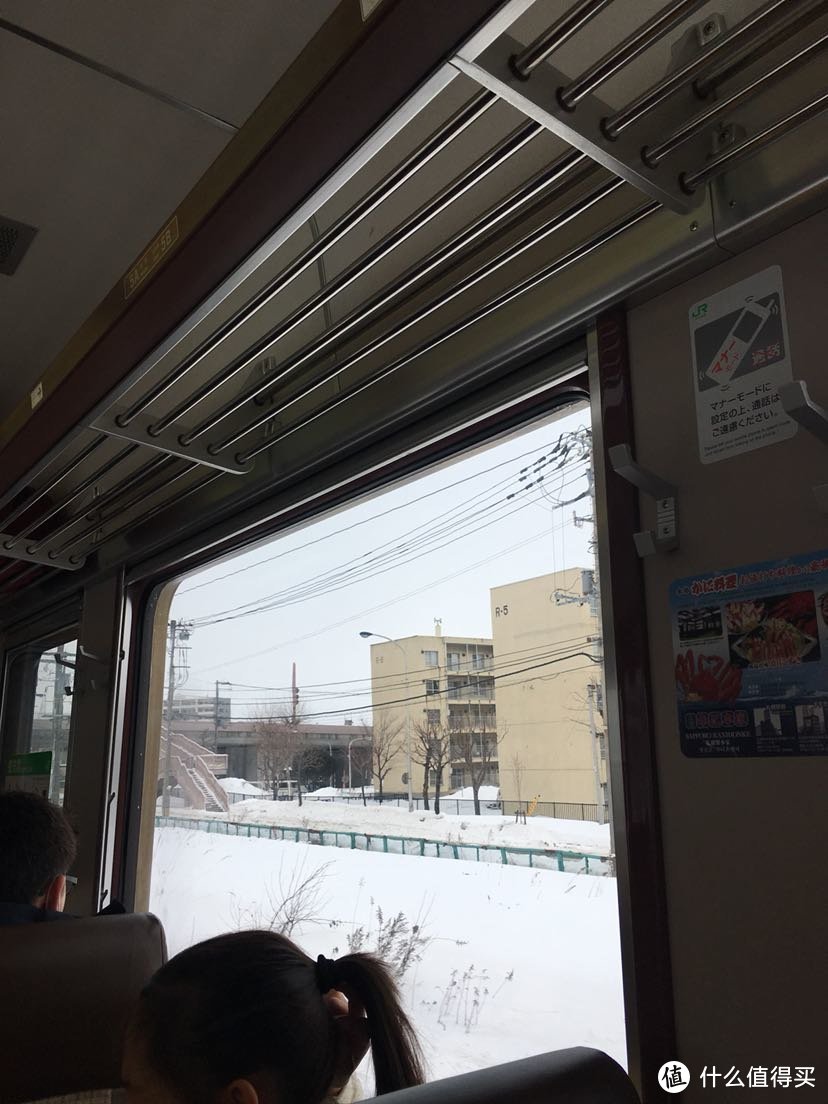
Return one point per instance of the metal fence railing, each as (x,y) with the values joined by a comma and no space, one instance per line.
(544,859)
(564,810)
(567,810)
(458,806)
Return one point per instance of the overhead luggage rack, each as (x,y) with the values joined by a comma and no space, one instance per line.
(542,172)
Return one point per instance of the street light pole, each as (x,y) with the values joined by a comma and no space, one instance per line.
(401,650)
(355,740)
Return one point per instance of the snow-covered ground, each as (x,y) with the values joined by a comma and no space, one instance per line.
(542,833)
(517,961)
(460,802)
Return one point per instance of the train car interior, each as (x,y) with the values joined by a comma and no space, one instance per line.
(492,325)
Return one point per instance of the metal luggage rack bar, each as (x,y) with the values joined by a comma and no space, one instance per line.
(172,471)
(571,109)
(551,102)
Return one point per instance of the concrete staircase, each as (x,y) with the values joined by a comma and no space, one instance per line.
(194,769)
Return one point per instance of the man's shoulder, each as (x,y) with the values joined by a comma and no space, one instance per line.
(12,912)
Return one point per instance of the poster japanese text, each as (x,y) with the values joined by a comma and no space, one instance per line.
(751,659)
(741,356)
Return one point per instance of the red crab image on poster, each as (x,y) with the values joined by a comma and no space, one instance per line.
(707,678)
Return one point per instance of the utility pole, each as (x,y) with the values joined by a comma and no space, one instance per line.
(594,687)
(215,732)
(596,612)
(178,630)
(165,800)
(596,759)
(61,680)
(219,682)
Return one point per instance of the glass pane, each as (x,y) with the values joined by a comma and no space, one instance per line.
(51,717)
(389,725)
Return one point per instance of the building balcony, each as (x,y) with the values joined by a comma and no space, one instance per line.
(474,665)
(471,692)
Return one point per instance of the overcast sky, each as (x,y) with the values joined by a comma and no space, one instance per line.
(430,549)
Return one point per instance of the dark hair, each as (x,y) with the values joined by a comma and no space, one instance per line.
(252,1002)
(36,844)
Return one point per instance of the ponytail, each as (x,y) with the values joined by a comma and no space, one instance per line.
(398,1059)
(252,1002)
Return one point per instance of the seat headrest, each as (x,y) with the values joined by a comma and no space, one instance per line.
(67,989)
(578,1075)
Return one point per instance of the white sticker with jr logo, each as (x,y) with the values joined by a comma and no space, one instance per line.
(741,356)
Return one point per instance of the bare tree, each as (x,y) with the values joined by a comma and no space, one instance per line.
(518,768)
(431,749)
(276,744)
(386,742)
(476,746)
(313,764)
(421,755)
(283,748)
(294,898)
(361,759)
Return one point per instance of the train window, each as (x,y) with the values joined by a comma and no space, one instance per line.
(383,732)
(43,678)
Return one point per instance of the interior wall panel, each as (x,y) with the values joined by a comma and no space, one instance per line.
(744,838)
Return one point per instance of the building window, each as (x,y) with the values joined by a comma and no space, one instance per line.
(458,776)
(430,659)
(481,662)
(435,777)
(432,717)
(432,686)
(453,661)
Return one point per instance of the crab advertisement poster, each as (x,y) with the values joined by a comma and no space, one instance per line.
(751,659)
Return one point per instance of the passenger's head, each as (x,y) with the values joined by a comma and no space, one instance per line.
(37,848)
(249,1018)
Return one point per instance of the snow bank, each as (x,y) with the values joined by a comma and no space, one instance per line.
(383,820)
(540,948)
(486,793)
(334,791)
(241,786)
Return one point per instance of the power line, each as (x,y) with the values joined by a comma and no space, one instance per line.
(375,609)
(384,605)
(393,554)
(365,521)
(369,685)
(442,693)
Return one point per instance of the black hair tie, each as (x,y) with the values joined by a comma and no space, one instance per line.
(325,974)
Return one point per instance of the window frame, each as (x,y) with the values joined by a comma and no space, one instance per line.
(21,660)
(648,995)
(540,388)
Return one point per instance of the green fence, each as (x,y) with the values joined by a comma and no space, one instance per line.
(396,845)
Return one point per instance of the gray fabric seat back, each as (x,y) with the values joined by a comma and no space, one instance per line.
(67,990)
(578,1075)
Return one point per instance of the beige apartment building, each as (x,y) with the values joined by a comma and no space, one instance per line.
(549,690)
(439,683)
(525,688)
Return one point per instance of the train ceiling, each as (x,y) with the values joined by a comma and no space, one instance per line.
(562,157)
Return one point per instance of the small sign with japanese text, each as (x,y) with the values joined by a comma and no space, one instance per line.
(741,356)
(751,659)
(31,772)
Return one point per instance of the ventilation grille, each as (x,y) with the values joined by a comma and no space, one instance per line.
(15,239)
